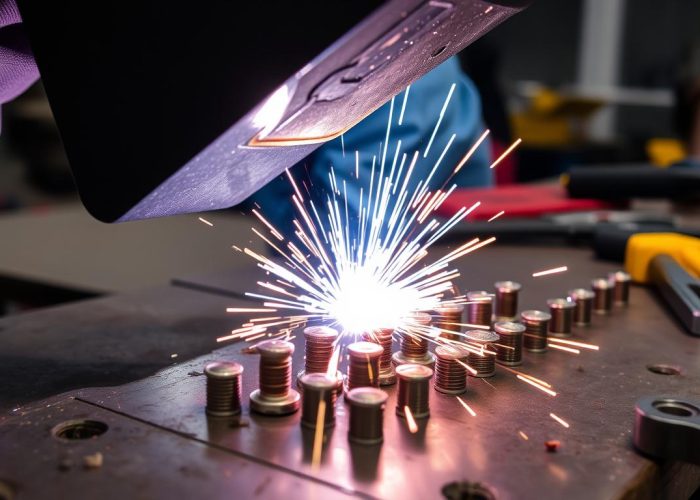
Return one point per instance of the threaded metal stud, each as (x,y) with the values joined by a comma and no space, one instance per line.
(562,312)
(363,365)
(509,348)
(223,388)
(449,317)
(319,342)
(275,395)
(602,300)
(621,287)
(506,300)
(536,328)
(383,337)
(318,387)
(366,424)
(583,299)
(479,308)
(484,361)
(450,375)
(414,390)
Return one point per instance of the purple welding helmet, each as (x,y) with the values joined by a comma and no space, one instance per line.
(169,107)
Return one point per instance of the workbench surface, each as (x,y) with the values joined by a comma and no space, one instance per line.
(159,441)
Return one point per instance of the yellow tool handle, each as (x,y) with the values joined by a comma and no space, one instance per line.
(643,247)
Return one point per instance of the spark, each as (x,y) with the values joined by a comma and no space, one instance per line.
(412,426)
(560,420)
(554,270)
(582,345)
(536,385)
(472,150)
(248,309)
(523,435)
(506,153)
(318,435)
(205,221)
(403,105)
(342,144)
(563,348)
(466,407)
(439,121)
(496,216)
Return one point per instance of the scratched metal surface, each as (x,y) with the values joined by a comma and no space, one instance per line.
(139,462)
(596,396)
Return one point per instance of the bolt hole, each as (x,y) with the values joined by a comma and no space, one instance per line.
(467,490)
(438,51)
(662,369)
(676,408)
(79,429)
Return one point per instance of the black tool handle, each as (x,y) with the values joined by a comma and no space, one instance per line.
(624,182)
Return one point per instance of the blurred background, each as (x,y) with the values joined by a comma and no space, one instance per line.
(582,82)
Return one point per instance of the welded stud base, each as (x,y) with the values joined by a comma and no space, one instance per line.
(278,406)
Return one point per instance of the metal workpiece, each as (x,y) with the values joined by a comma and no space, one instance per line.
(366,422)
(384,337)
(414,347)
(536,328)
(506,300)
(319,342)
(414,390)
(668,427)
(363,365)
(449,317)
(450,374)
(562,312)
(620,281)
(509,348)
(583,299)
(275,395)
(317,388)
(483,361)
(223,388)
(479,308)
(603,295)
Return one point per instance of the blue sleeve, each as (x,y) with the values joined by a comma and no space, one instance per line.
(424,103)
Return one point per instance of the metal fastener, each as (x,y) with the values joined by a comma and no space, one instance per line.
(479,308)
(449,317)
(562,312)
(319,343)
(223,388)
(621,287)
(366,424)
(509,348)
(414,390)
(583,299)
(507,300)
(415,342)
(602,300)
(536,328)
(363,365)
(383,337)
(450,374)
(482,355)
(275,395)
(317,388)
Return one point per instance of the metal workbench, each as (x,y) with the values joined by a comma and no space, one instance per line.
(160,443)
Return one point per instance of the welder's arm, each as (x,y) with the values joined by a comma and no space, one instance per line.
(17,68)
(425,100)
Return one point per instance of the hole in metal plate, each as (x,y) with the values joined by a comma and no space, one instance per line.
(79,429)
(467,490)
(662,369)
(676,408)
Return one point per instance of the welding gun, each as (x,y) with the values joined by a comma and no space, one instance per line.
(172,107)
